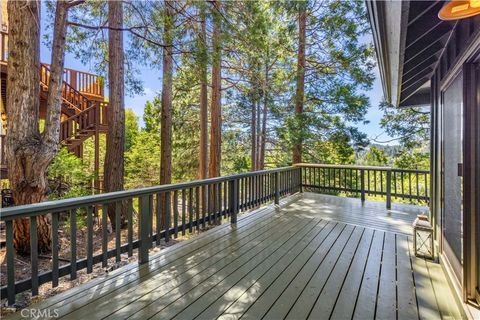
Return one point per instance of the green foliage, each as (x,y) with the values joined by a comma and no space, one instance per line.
(413,159)
(131,128)
(411,125)
(68,176)
(142,161)
(375,157)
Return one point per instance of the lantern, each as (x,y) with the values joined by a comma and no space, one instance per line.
(423,237)
(456,9)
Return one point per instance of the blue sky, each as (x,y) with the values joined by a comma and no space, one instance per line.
(152,86)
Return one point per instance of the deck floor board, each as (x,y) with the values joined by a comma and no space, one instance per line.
(317,257)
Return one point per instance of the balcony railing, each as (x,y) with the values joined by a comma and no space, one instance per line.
(401,185)
(188,208)
(83,82)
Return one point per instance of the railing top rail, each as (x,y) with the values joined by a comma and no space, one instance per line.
(346,166)
(341,166)
(72,203)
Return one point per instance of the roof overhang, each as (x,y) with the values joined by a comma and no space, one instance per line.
(409,40)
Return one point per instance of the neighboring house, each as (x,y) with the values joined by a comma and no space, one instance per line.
(428,61)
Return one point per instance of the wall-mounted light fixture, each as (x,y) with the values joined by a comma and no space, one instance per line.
(456,9)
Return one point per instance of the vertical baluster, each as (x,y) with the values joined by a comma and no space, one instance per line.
(197,207)
(190,209)
(104,236)
(73,244)
(395,183)
(143,228)
(175,213)
(250,192)
(10,262)
(118,229)
(350,184)
(362,185)
(356,182)
(54,249)
(381,182)
(225,198)
(418,185)
(277,187)
(158,217)
(34,254)
(410,185)
(427,182)
(257,190)
(368,182)
(389,189)
(89,239)
(310,177)
(184,222)
(167,216)
(245,203)
(402,186)
(130,227)
(210,203)
(204,207)
(339,179)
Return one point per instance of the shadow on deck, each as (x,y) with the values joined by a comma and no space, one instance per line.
(316,257)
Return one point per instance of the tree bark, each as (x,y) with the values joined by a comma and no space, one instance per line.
(114,156)
(300,91)
(166,113)
(203,158)
(253,129)
(259,133)
(29,152)
(215,110)
(264,120)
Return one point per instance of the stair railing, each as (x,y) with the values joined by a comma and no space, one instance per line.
(73,98)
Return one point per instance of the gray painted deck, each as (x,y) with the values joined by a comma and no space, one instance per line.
(318,257)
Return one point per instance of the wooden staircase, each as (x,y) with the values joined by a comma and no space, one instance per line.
(84,110)
(86,116)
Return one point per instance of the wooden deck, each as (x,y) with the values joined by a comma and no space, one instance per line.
(318,257)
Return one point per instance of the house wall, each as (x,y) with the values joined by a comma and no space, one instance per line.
(460,56)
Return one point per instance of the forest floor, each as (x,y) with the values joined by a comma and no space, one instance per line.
(23,266)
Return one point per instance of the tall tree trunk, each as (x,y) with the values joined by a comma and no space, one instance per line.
(264,120)
(300,91)
(166,114)
(215,110)
(259,133)
(253,129)
(203,63)
(29,152)
(114,156)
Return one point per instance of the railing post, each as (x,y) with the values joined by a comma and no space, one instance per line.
(389,189)
(276,186)
(233,186)
(144,229)
(300,179)
(362,185)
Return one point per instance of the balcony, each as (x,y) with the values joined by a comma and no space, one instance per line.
(280,243)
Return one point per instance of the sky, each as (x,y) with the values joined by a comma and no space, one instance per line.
(152,85)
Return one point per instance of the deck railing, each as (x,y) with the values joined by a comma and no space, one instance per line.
(71,97)
(83,82)
(163,212)
(84,121)
(3,46)
(361,181)
(86,83)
